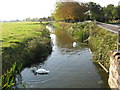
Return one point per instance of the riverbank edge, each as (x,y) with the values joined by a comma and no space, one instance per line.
(31,51)
(100,41)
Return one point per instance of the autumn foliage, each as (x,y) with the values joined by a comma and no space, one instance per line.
(69,11)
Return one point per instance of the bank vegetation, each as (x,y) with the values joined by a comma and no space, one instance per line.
(99,40)
(23,44)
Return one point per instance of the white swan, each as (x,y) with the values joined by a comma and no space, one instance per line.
(74,44)
(39,71)
(42,71)
(90,51)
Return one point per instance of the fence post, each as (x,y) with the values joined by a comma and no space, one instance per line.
(118,47)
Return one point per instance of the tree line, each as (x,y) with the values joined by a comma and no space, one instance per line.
(39,19)
(49,18)
(74,11)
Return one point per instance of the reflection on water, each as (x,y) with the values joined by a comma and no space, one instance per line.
(64,39)
(70,67)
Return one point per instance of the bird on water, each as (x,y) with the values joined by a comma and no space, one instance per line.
(74,44)
(39,71)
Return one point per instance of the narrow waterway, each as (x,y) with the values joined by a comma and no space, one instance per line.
(70,67)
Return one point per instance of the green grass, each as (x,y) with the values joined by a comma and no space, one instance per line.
(24,43)
(102,42)
(16,32)
(80,32)
(62,25)
(20,37)
(8,79)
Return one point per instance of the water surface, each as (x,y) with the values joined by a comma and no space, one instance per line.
(70,67)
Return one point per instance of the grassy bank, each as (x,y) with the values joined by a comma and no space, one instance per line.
(16,32)
(25,43)
(100,40)
(80,32)
(101,43)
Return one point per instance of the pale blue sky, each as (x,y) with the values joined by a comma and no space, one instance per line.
(20,9)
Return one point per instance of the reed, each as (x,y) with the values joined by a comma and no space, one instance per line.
(8,78)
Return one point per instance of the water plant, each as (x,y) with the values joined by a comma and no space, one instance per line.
(8,78)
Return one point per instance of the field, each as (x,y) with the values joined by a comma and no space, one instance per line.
(16,32)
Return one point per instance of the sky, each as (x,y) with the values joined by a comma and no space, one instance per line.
(21,9)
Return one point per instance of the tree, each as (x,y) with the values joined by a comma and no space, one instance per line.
(116,13)
(96,11)
(109,12)
(69,11)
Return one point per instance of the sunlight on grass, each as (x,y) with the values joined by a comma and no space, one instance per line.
(15,32)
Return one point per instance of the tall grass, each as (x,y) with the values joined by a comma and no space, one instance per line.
(8,79)
(101,43)
(62,25)
(80,32)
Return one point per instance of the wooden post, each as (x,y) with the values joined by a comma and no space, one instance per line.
(118,47)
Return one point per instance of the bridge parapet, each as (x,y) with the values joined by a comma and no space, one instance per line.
(118,48)
(114,70)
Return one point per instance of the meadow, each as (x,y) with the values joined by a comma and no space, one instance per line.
(16,32)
